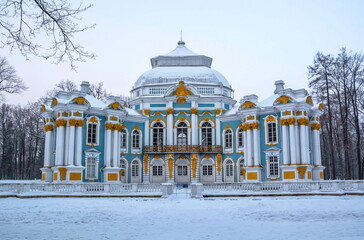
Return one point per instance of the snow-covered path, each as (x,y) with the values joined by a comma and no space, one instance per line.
(180,218)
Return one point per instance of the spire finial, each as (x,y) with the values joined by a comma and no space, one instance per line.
(181,42)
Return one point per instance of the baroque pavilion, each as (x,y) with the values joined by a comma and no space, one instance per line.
(183,126)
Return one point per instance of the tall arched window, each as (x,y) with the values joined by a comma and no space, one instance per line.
(206,134)
(182,133)
(271,133)
(158,134)
(136,139)
(229,168)
(240,138)
(123,139)
(228,138)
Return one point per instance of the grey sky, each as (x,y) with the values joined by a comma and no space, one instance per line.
(252,43)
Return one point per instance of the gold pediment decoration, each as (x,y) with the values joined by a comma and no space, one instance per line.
(217,111)
(309,100)
(54,102)
(93,119)
(285,113)
(182,91)
(250,117)
(113,118)
(136,127)
(181,100)
(270,118)
(227,126)
(247,105)
(146,111)
(115,106)
(283,100)
(206,156)
(77,114)
(80,101)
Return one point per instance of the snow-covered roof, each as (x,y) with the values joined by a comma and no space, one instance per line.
(180,51)
(187,74)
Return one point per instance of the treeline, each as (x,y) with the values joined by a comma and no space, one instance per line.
(22,134)
(338,82)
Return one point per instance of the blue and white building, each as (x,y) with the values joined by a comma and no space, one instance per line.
(183,127)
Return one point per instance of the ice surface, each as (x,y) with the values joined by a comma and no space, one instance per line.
(316,217)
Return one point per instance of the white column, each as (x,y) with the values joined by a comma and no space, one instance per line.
(194,129)
(78,158)
(218,132)
(292,144)
(60,145)
(316,147)
(170,129)
(47,149)
(298,147)
(285,146)
(248,151)
(146,133)
(256,147)
(71,145)
(303,137)
(245,149)
(116,148)
(66,142)
(108,148)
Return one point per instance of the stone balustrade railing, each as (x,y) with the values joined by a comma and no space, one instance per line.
(83,188)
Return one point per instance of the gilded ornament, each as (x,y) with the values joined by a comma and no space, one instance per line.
(61,122)
(182,91)
(301,171)
(117,127)
(283,99)
(42,109)
(227,126)
(284,122)
(218,162)
(48,127)
(64,114)
(170,165)
(316,126)
(77,114)
(93,120)
(250,117)
(270,118)
(62,173)
(170,111)
(80,122)
(242,172)
(285,113)
(247,105)
(194,111)
(72,122)
(146,112)
(303,121)
(80,101)
(115,106)
(217,111)
(109,126)
(255,125)
(182,119)
(194,157)
(181,100)
(309,100)
(224,111)
(291,121)
(113,118)
(321,106)
(298,113)
(54,102)
(146,160)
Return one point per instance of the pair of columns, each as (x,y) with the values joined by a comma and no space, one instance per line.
(69,142)
(112,144)
(295,142)
(251,139)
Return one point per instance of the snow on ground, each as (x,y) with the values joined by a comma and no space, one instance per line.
(314,217)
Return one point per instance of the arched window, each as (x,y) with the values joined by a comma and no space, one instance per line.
(123,167)
(135,168)
(158,134)
(136,139)
(240,138)
(123,139)
(228,138)
(206,134)
(182,133)
(273,165)
(229,168)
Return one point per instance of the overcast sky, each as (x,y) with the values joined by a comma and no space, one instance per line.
(252,43)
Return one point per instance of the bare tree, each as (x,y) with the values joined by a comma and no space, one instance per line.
(98,91)
(43,28)
(9,81)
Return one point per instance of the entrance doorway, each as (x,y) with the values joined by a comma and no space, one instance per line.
(182,171)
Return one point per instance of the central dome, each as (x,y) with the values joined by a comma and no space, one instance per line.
(181,65)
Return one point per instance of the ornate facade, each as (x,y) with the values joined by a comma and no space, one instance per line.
(183,127)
